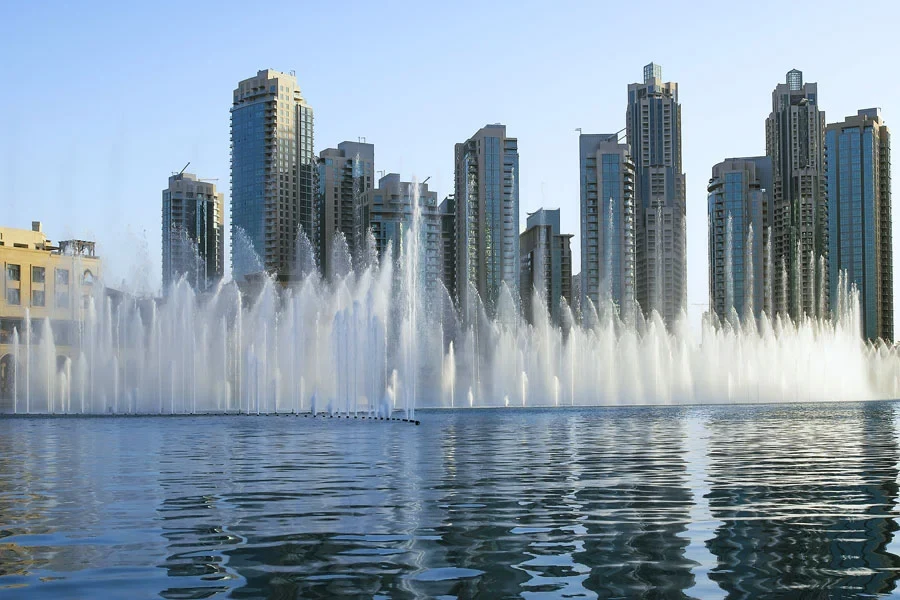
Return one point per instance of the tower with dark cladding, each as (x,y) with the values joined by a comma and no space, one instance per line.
(546,264)
(653,129)
(795,141)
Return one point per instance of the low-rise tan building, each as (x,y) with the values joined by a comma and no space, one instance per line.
(43,282)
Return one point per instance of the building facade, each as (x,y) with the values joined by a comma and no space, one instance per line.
(739,198)
(607,221)
(795,132)
(448,244)
(546,264)
(193,232)
(858,176)
(273,172)
(387,212)
(487,215)
(45,283)
(653,129)
(345,174)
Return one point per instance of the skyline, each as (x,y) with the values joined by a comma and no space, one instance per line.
(111,154)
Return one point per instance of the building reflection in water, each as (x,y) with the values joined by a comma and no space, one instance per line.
(620,502)
(805,496)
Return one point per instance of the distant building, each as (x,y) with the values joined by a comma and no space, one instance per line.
(388,212)
(653,128)
(739,197)
(487,215)
(51,284)
(858,161)
(546,264)
(795,141)
(448,244)
(345,174)
(272,174)
(607,220)
(193,232)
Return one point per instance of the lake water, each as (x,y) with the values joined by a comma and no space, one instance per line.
(708,502)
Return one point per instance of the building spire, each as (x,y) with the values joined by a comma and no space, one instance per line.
(795,80)
(652,73)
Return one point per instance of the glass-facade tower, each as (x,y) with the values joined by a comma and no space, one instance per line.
(273,172)
(606,174)
(737,203)
(193,232)
(487,215)
(859,216)
(653,129)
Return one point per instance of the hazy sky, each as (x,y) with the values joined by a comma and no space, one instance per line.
(103,101)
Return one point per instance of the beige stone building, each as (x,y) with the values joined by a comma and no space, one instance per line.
(46,283)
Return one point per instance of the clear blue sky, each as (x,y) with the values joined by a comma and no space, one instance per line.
(103,101)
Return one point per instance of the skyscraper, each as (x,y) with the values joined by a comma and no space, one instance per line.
(858,161)
(448,244)
(345,173)
(193,232)
(388,212)
(653,128)
(795,132)
(739,197)
(607,221)
(272,174)
(487,215)
(546,264)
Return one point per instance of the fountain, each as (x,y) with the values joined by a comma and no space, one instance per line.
(370,340)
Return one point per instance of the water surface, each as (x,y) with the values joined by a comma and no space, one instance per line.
(708,502)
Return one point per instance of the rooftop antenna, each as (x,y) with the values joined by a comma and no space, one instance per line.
(578,129)
(361,139)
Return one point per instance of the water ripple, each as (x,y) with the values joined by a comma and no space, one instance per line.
(716,501)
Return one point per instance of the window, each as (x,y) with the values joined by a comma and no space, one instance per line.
(37,275)
(13,296)
(62,277)
(62,299)
(88,278)
(13,273)
(37,297)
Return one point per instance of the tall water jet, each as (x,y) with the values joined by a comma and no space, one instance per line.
(749,283)
(729,268)
(770,276)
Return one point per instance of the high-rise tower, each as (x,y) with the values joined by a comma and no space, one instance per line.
(739,198)
(653,128)
(272,174)
(858,170)
(345,174)
(193,232)
(487,215)
(795,132)
(607,221)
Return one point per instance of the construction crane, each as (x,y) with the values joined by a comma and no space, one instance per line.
(180,173)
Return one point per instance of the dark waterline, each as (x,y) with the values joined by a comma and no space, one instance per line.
(701,501)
